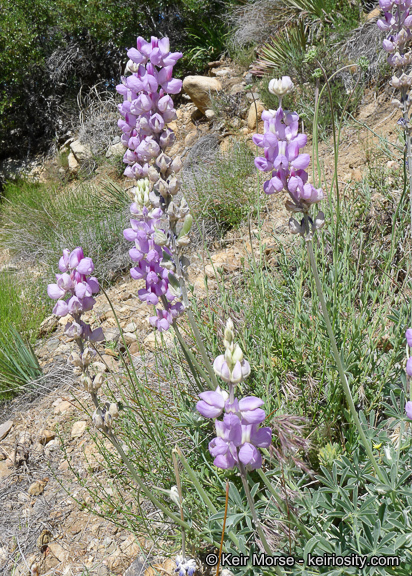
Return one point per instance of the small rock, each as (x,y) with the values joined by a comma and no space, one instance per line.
(59,552)
(115,150)
(63,407)
(191,138)
(251,117)
(36,450)
(154,340)
(248,78)
(78,429)
(200,88)
(210,114)
(138,566)
(4,469)
(135,349)
(110,363)
(129,337)
(221,73)
(44,538)
(255,96)
(64,466)
(80,151)
(48,325)
(357,175)
(46,436)
(112,335)
(236,88)
(131,327)
(373,14)
(130,547)
(5,428)
(37,488)
(72,163)
(215,64)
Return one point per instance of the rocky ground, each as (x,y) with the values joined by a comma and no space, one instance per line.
(43,530)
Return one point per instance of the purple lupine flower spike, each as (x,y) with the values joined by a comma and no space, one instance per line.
(146,110)
(77,287)
(238,435)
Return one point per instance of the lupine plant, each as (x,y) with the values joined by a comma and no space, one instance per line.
(363,505)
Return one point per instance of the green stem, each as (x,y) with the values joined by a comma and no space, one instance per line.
(201,491)
(256,522)
(339,364)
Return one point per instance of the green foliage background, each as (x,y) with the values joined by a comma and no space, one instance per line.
(49,50)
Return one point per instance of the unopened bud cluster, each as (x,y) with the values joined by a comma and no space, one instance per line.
(103,417)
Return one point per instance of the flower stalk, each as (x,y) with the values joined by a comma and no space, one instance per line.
(339,363)
(256,522)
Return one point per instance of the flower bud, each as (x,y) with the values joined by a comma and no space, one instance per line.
(98,418)
(98,381)
(98,367)
(73,330)
(187,224)
(107,418)
(183,240)
(174,495)
(174,185)
(295,227)
(281,86)
(237,355)
(88,356)
(177,164)
(161,187)
(229,335)
(153,174)
(163,161)
(113,410)
(75,360)
(319,221)
(87,383)
(160,237)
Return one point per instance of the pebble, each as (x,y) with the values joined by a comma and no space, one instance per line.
(5,428)
(78,429)
(46,436)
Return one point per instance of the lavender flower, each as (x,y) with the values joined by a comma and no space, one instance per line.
(238,435)
(397,22)
(146,110)
(282,144)
(147,106)
(73,291)
(185,566)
